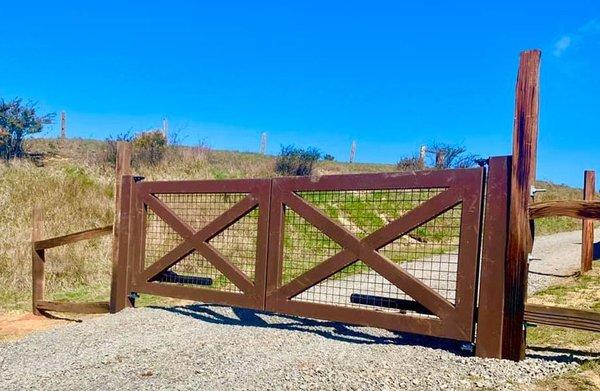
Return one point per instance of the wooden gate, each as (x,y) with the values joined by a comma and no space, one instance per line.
(201,240)
(397,251)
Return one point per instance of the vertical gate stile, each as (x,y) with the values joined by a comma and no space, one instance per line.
(120,281)
(493,255)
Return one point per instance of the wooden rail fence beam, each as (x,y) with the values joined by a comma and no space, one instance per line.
(522,178)
(37,259)
(101,307)
(562,317)
(571,208)
(72,238)
(587,231)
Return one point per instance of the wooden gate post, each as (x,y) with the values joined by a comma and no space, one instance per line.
(520,241)
(490,314)
(587,239)
(120,255)
(37,259)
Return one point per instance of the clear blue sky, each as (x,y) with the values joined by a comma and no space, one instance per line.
(390,75)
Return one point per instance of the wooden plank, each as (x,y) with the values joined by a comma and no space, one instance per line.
(491,292)
(562,317)
(72,238)
(122,168)
(570,208)
(119,289)
(37,259)
(101,307)
(522,178)
(587,232)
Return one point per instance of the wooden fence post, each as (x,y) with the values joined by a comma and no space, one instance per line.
(490,314)
(119,247)
(37,259)
(520,241)
(587,240)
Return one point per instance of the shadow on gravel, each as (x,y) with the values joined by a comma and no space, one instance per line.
(327,329)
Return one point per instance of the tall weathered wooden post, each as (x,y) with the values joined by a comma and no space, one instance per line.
(520,241)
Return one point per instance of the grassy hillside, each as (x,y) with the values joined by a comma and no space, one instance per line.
(75,187)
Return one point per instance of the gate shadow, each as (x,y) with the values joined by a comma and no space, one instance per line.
(213,313)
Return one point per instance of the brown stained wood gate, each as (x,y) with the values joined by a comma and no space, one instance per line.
(398,251)
(368,282)
(177,221)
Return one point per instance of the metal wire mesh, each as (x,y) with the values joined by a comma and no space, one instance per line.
(428,252)
(237,243)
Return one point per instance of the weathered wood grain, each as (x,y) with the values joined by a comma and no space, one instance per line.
(72,238)
(523,175)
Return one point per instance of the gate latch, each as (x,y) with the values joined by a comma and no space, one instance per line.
(535,190)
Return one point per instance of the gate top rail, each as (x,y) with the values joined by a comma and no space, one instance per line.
(439,179)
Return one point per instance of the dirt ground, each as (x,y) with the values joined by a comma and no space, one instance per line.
(17,325)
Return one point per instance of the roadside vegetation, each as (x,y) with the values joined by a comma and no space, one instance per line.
(74,184)
(581,292)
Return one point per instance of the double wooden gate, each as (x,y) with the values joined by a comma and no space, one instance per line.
(398,251)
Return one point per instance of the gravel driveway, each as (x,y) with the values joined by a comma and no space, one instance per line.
(559,258)
(223,348)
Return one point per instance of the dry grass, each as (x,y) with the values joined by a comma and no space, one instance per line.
(75,187)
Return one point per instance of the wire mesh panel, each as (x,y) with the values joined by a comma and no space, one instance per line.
(237,242)
(429,252)
(197,241)
(377,248)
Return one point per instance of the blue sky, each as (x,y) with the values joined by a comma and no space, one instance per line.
(390,75)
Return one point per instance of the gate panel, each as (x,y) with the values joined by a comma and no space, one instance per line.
(397,251)
(202,240)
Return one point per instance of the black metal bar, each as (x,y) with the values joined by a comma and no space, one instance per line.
(171,276)
(388,302)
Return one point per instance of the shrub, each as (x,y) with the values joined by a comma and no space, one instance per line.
(149,148)
(412,163)
(328,158)
(110,154)
(17,121)
(296,161)
(453,156)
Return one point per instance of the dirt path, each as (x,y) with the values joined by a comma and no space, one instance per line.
(557,257)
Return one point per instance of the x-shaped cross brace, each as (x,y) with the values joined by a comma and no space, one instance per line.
(366,250)
(198,240)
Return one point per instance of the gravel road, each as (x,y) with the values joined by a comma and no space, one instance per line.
(559,258)
(219,347)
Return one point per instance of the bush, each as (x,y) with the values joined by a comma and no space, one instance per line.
(296,161)
(328,158)
(17,121)
(412,163)
(149,148)
(110,155)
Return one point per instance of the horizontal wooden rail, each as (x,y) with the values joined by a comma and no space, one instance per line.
(562,317)
(574,208)
(101,307)
(72,238)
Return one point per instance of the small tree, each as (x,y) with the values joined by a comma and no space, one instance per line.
(149,147)
(328,158)
(296,161)
(17,121)
(411,163)
(453,156)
